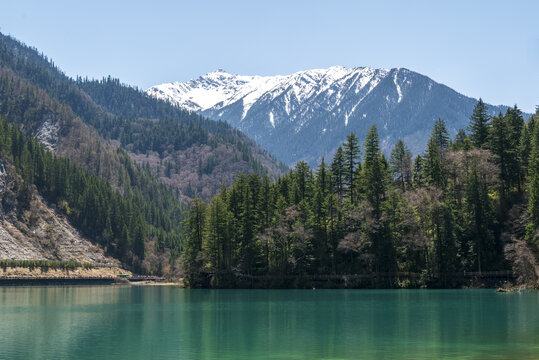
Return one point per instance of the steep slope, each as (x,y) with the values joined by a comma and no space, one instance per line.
(39,232)
(107,114)
(306,115)
(141,232)
(182,148)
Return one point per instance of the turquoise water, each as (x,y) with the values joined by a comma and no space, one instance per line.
(117,322)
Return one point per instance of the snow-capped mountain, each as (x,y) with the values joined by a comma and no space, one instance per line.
(306,115)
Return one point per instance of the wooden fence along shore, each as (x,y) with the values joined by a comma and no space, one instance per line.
(466,274)
(373,280)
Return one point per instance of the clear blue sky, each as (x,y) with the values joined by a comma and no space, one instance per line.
(486,49)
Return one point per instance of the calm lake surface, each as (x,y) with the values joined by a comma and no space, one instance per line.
(117,322)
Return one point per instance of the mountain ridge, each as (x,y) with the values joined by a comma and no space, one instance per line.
(284,113)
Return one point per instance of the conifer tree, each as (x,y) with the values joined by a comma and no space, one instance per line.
(515,124)
(351,156)
(525,147)
(373,170)
(440,135)
(481,218)
(401,165)
(418,176)
(433,164)
(500,145)
(216,236)
(375,184)
(533,207)
(319,214)
(195,235)
(139,237)
(338,172)
(462,141)
(479,124)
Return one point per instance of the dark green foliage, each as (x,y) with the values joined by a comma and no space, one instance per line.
(351,157)
(534,183)
(433,164)
(418,175)
(503,147)
(192,259)
(401,165)
(374,177)
(462,141)
(479,124)
(481,220)
(515,124)
(338,171)
(439,219)
(119,223)
(440,135)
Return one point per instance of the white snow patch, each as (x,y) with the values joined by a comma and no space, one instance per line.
(398,87)
(272,119)
(218,89)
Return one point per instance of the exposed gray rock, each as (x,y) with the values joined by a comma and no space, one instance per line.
(39,232)
(3,176)
(47,133)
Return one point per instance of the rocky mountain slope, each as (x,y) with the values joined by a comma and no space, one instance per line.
(39,231)
(306,115)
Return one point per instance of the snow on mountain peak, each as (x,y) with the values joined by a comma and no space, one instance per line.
(307,114)
(219,88)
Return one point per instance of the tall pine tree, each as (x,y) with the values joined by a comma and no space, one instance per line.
(479,124)
(533,207)
(351,156)
(401,165)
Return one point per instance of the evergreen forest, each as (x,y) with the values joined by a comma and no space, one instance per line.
(452,209)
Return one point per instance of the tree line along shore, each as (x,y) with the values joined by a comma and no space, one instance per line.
(468,204)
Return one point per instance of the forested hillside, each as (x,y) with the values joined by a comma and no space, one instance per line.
(122,157)
(122,224)
(467,204)
(182,149)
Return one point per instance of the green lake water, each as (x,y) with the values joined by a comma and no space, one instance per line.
(121,322)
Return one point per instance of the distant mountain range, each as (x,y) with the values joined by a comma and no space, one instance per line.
(306,115)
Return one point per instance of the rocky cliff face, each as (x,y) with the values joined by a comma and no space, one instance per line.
(36,231)
(47,133)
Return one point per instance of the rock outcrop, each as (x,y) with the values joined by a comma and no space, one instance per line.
(38,231)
